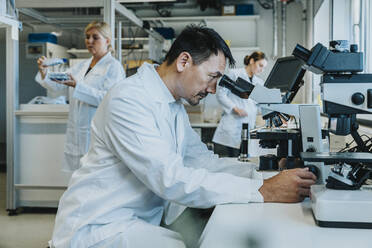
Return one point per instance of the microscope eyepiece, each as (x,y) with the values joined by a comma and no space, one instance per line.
(353,48)
(240,87)
(301,52)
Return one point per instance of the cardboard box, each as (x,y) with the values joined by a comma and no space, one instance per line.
(228,10)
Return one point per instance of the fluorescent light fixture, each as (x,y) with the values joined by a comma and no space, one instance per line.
(144,1)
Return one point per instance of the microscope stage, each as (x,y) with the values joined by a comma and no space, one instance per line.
(336,157)
(342,208)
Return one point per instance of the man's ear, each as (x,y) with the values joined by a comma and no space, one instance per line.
(183,61)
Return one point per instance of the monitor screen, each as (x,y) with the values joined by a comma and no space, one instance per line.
(286,74)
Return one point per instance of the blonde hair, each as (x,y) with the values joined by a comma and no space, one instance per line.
(104,29)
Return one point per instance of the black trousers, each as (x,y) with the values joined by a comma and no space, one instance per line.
(226,151)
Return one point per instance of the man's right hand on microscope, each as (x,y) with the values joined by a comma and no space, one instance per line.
(288,186)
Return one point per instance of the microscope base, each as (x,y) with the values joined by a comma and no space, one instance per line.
(342,208)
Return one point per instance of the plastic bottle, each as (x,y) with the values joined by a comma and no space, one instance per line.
(54,61)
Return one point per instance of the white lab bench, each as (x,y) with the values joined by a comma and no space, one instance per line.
(38,179)
(203,125)
(276,225)
(204,129)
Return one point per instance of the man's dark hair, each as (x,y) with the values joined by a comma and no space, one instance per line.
(200,42)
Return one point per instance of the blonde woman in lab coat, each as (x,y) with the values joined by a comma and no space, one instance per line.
(88,84)
(237,110)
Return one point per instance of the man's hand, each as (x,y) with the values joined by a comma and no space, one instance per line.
(244,95)
(288,186)
(240,112)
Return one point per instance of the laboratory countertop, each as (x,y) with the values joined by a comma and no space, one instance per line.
(42,110)
(61,110)
(203,125)
(279,225)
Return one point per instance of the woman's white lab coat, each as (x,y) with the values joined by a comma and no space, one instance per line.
(83,102)
(144,159)
(228,132)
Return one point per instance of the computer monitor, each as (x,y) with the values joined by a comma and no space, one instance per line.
(286,74)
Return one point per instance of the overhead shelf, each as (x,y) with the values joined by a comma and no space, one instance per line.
(85,51)
(202,18)
(243,49)
(203,125)
(243,41)
(79,52)
(134,39)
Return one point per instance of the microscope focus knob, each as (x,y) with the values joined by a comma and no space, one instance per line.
(313,169)
(311,149)
(357,98)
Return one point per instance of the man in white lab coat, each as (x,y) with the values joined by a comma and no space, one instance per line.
(144,157)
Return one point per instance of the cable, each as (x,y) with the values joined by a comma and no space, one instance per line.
(268,4)
(347,148)
(295,121)
(204,4)
(162,12)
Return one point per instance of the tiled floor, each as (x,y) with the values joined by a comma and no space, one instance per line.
(33,230)
(27,230)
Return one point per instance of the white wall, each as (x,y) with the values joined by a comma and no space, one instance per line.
(327,28)
(264,37)
(368,36)
(342,29)
(322,34)
(2,87)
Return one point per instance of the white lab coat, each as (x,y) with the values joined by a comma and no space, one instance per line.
(83,102)
(228,132)
(144,158)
